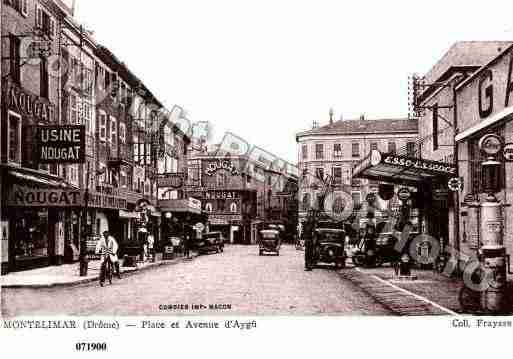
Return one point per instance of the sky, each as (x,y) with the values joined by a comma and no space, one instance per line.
(268,69)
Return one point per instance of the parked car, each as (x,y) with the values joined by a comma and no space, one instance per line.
(329,247)
(210,242)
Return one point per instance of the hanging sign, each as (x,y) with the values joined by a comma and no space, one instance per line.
(507,152)
(173,180)
(213,167)
(60,144)
(455,184)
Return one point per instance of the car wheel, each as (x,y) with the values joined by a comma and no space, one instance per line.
(358,260)
(378,261)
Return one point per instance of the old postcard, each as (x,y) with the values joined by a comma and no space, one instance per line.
(179,160)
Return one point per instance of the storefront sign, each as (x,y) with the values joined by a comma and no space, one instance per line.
(223,220)
(490,144)
(29,105)
(32,197)
(129,215)
(440,194)
(227,165)
(173,180)
(60,144)
(222,195)
(420,164)
(97,200)
(508,152)
(194,203)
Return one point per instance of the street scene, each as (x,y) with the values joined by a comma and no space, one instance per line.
(114,202)
(270,285)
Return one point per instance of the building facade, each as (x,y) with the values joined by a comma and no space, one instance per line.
(55,73)
(452,100)
(335,149)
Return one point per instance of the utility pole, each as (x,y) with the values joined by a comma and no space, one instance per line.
(83,255)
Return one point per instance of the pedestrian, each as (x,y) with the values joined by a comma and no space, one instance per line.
(107,245)
(308,235)
(150,243)
(187,234)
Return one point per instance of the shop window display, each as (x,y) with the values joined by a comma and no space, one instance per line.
(31,234)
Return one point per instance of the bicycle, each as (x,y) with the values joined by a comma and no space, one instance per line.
(106,271)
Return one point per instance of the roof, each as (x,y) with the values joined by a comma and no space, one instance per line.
(352,127)
(466,54)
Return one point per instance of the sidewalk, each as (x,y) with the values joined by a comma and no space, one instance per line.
(68,274)
(434,287)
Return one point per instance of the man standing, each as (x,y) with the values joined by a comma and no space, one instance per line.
(108,246)
(308,233)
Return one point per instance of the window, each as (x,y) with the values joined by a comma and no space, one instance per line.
(374,146)
(337,150)
(410,149)
(103,126)
(44,83)
(122,133)
(208,207)
(306,202)
(45,22)
(357,199)
(73,110)
(319,151)
(304,149)
(336,172)
(319,173)
(435,127)
(233,208)
(15,59)
(107,81)
(392,147)
(221,205)
(355,149)
(221,179)
(14,140)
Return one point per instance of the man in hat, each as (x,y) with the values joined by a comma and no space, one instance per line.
(107,245)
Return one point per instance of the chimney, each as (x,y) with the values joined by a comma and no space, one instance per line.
(332,113)
(362,117)
(315,125)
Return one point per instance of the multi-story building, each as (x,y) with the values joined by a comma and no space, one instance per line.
(449,107)
(31,235)
(334,150)
(55,73)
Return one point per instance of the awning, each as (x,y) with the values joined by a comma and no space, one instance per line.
(389,167)
(38,179)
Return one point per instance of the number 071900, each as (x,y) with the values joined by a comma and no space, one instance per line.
(90,347)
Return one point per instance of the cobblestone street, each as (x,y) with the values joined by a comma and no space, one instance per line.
(239,277)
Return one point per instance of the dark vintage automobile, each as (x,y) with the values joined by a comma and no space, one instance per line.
(376,249)
(269,241)
(210,242)
(329,247)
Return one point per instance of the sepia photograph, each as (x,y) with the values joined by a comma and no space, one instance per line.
(235,160)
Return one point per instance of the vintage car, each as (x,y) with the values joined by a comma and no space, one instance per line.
(269,241)
(210,242)
(329,247)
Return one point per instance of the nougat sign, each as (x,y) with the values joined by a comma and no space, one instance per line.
(60,144)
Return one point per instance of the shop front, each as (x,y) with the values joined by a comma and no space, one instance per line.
(178,213)
(34,218)
(420,186)
(484,106)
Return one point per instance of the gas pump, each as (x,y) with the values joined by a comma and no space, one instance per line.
(492,251)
